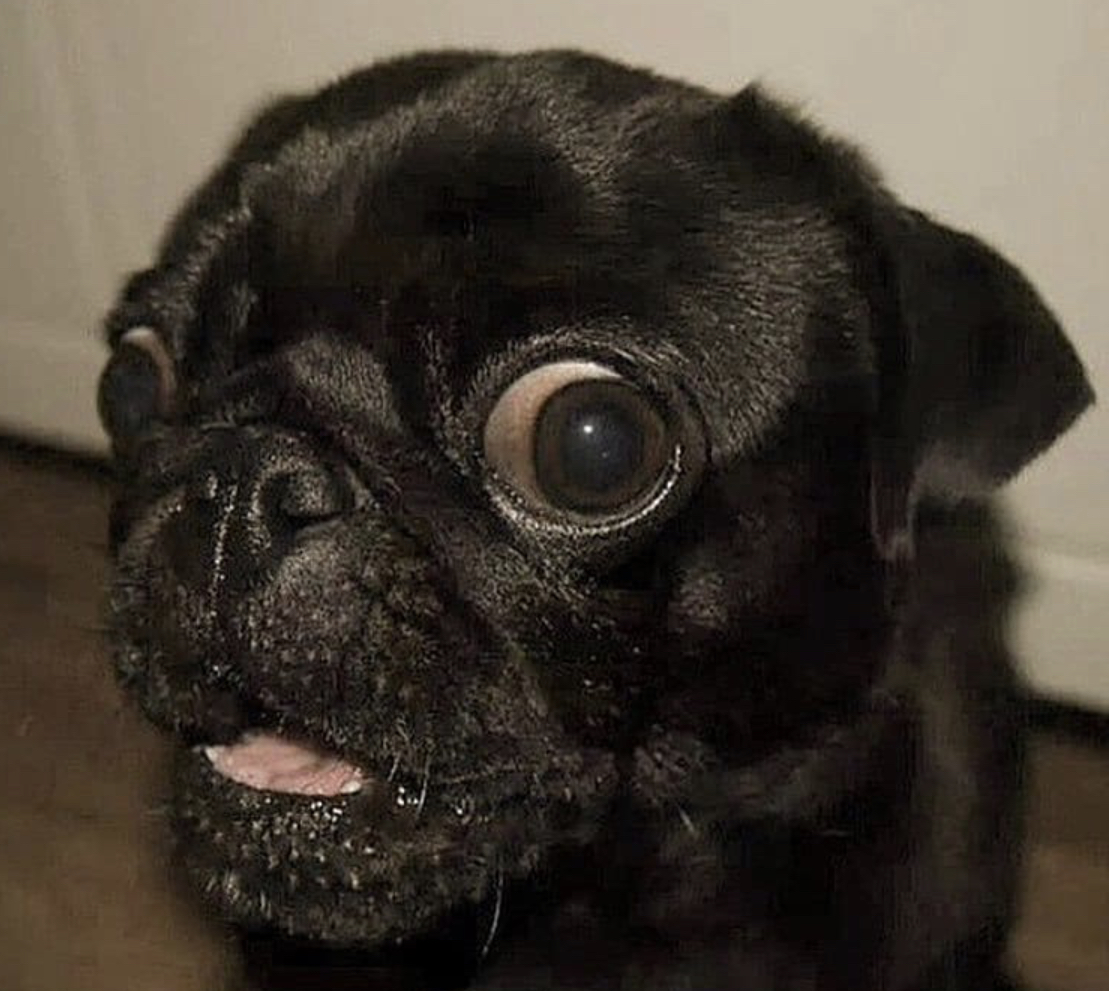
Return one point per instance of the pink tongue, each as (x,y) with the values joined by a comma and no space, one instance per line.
(274,763)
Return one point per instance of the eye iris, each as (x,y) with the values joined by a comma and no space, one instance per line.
(597,446)
(129,392)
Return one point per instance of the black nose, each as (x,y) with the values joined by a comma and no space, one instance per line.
(244,510)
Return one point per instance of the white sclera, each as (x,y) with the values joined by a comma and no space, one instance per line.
(149,342)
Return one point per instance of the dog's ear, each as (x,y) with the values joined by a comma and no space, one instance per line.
(976,377)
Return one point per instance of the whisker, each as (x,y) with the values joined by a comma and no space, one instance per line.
(423,786)
(496,920)
(459,779)
(690,825)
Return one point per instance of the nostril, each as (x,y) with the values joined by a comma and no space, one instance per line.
(203,488)
(308,496)
(241,512)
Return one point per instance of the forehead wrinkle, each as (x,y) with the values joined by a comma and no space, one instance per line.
(745,310)
(528,98)
(591,116)
(319,192)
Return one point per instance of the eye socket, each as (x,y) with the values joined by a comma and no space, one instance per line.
(138,385)
(575,436)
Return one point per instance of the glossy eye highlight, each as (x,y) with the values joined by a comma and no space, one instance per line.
(575,436)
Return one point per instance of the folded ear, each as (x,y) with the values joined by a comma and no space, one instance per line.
(976,376)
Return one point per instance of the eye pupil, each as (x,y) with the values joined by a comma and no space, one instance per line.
(598,446)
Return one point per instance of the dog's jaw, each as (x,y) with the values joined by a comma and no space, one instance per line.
(372,868)
(359,810)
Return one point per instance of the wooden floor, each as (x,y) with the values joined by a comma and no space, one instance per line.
(85,900)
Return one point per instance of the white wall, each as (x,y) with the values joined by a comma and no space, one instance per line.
(990,112)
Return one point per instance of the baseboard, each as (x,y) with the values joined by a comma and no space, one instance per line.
(1070,721)
(49,457)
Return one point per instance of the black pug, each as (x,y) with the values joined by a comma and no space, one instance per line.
(552,516)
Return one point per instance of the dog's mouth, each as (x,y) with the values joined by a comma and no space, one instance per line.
(280,827)
(267,762)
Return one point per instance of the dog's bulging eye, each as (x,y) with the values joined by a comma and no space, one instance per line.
(599,445)
(575,436)
(138,386)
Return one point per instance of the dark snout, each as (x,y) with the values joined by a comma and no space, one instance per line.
(240,518)
(269,588)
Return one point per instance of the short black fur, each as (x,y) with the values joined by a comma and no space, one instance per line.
(758,734)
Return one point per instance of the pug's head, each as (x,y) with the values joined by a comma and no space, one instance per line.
(508,444)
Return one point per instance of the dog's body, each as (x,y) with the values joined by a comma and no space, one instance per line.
(718,701)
